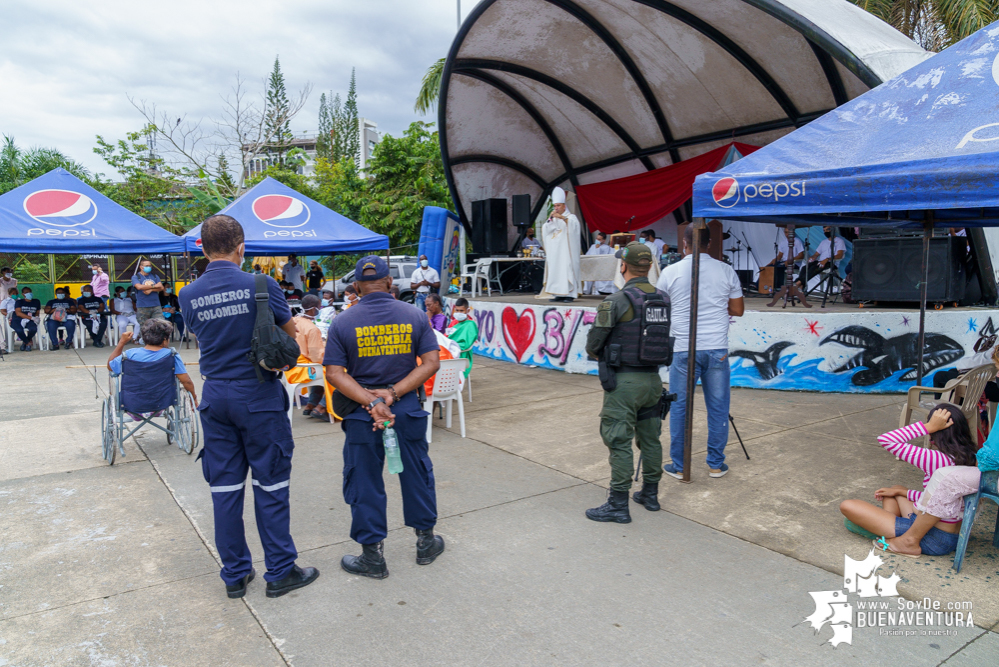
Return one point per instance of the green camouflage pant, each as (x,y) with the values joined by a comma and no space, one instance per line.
(620,425)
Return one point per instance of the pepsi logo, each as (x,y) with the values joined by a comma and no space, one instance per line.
(60,208)
(726,192)
(197,242)
(281,211)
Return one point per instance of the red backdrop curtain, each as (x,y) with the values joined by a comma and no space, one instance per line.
(649,197)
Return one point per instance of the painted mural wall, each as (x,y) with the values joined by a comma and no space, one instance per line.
(865,351)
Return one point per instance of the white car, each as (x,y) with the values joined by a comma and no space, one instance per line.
(400,268)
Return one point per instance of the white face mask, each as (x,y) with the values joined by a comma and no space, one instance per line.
(424,263)
(8,275)
(461,317)
(88,294)
(28,295)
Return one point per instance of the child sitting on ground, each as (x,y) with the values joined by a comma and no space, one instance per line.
(949,433)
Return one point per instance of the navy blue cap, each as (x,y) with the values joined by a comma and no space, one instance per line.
(371,262)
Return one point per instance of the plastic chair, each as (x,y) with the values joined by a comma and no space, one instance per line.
(43,334)
(963,391)
(8,335)
(295,389)
(987,488)
(447,387)
(481,270)
(116,331)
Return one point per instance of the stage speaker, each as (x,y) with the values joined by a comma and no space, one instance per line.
(521,205)
(890,269)
(489,227)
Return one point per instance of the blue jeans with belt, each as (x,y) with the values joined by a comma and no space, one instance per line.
(420,300)
(712,369)
(246,428)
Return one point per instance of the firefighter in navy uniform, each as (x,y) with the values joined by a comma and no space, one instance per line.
(244,418)
(371,359)
(630,338)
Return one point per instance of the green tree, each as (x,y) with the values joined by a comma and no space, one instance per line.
(934,24)
(349,126)
(18,166)
(405,174)
(430,89)
(277,113)
(339,187)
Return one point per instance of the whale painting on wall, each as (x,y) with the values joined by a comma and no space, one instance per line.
(861,352)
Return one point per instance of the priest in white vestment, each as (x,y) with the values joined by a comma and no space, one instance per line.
(599,247)
(560,238)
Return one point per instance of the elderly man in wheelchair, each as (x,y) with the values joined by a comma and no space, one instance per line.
(147,383)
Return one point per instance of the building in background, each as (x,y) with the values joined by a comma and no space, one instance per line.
(368,139)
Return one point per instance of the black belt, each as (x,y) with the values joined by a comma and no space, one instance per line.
(636,369)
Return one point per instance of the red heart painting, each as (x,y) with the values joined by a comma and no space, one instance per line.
(518,331)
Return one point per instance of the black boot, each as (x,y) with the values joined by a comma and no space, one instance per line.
(428,546)
(648,496)
(371,563)
(299,577)
(615,509)
(238,589)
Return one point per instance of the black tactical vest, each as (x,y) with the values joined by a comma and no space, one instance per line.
(645,339)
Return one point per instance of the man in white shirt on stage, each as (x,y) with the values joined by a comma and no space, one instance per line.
(655,245)
(719,298)
(819,261)
(599,247)
(560,238)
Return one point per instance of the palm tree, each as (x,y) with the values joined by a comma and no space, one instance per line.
(934,24)
(18,166)
(430,89)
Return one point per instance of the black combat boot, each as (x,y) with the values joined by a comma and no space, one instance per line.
(371,563)
(648,496)
(299,577)
(428,546)
(615,509)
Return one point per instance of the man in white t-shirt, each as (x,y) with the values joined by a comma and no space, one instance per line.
(719,297)
(423,280)
(294,273)
(655,245)
(818,261)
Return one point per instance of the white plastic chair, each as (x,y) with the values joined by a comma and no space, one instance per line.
(476,272)
(43,334)
(447,387)
(8,335)
(114,332)
(295,389)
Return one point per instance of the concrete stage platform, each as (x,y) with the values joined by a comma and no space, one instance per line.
(838,348)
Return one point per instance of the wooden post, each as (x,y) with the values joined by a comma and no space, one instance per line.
(695,276)
(921,343)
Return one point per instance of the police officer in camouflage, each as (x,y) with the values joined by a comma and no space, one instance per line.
(630,338)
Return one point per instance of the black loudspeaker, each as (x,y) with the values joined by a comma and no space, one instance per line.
(890,269)
(521,205)
(489,227)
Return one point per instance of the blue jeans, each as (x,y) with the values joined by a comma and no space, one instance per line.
(420,300)
(711,367)
(935,543)
(53,328)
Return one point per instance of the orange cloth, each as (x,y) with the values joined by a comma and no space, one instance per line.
(310,340)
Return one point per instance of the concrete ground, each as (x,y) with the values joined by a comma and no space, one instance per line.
(116,565)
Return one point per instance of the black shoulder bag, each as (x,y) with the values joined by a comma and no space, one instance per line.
(271,348)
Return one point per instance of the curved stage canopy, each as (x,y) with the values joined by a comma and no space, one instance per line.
(539,93)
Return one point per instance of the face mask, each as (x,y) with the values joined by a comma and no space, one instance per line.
(27,295)
(8,275)
(325,303)
(598,242)
(461,317)
(93,271)
(88,294)
(289,291)
(424,263)
(147,269)
(60,295)
(828,235)
(169,290)
(119,295)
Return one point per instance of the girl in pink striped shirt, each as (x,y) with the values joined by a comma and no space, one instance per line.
(950,434)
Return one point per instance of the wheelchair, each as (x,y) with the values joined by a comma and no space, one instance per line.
(144,389)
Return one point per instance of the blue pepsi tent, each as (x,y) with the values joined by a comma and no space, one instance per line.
(923,141)
(60,214)
(277,220)
(917,150)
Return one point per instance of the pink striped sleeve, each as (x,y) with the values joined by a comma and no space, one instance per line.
(896,442)
(913,496)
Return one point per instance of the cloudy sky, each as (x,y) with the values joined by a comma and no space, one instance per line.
(67,67)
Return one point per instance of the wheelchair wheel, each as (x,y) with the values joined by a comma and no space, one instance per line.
(186,423)
(109,432)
